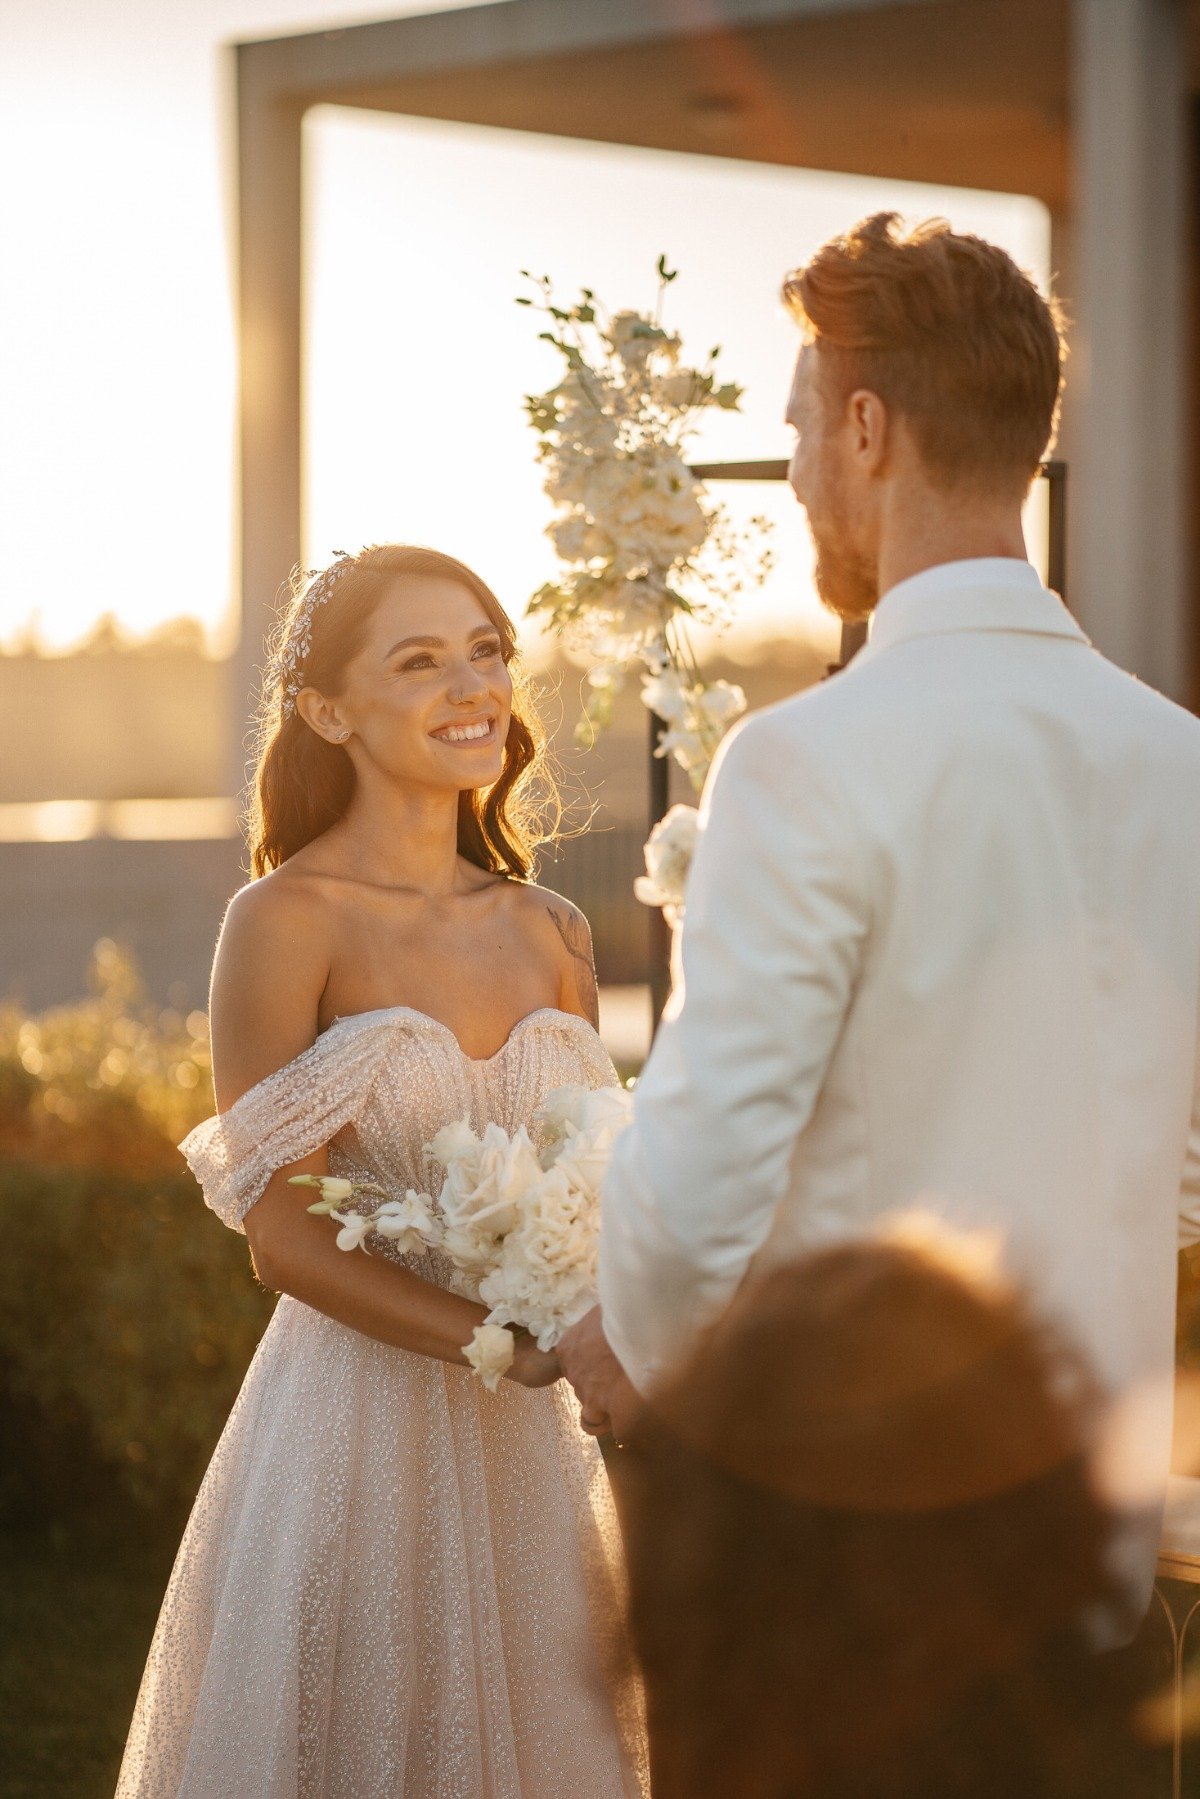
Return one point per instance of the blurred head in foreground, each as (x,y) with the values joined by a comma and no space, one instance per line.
(862,1542)
(929,377)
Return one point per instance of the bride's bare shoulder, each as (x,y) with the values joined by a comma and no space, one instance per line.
(279,914)
(567,937)
(271,967)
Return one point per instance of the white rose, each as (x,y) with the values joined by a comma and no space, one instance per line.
(454,1141)
(570,1109)
(490,1353)
(669,852)
(483,1188)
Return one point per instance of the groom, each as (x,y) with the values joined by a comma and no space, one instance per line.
(942,943)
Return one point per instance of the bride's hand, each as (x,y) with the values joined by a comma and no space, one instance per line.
(534,1367)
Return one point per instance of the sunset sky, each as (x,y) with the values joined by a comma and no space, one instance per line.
(117,351)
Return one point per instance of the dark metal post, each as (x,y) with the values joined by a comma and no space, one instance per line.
(660,930)
(1056,550)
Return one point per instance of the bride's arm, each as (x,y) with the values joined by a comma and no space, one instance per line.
(268,977)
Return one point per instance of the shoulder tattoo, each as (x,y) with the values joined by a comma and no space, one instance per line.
(577,942)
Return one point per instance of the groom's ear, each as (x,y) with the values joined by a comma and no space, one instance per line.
(869,430)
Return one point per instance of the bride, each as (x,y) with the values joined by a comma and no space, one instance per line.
(394,1583)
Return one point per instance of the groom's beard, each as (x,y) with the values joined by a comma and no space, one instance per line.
(846,580)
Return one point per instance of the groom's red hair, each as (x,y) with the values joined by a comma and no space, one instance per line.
(950,334)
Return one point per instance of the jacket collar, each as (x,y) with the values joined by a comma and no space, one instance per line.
(990,593)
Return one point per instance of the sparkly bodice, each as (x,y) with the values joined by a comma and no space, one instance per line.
(377,1086)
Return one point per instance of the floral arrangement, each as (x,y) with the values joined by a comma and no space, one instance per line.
(521,1229)
(644,546)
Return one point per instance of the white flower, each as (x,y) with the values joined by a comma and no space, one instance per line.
(666,693)
(408,1223)
(354,1229)
(721,702)
(579,1126)
(669,852)
(334,1190)
(490,1353)
(570,537)
(682,388)
(484,1183)
(697,716)
(454,1140)
(567,1110)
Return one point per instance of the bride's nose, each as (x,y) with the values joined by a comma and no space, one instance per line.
(467,686)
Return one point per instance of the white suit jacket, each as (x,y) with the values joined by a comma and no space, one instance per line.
(942,947)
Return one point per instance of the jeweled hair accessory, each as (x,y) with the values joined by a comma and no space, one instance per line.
(288,667)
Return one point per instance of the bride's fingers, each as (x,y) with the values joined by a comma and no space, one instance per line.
(595,1427)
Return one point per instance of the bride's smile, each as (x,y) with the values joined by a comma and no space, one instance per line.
(480,732)
(427,698)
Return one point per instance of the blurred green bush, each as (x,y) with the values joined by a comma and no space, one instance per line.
(128,1313)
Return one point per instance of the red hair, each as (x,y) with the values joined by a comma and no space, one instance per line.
(950,334)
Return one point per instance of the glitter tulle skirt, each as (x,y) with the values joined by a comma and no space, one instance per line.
(393,1582)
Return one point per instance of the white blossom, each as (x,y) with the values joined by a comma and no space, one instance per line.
(490,1353)
(408,1223)
(668,853)
(356,1226)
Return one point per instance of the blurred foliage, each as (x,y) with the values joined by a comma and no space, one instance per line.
(110,1082)
(128,1312)
(128,1315)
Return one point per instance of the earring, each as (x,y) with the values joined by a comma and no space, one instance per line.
(342,736)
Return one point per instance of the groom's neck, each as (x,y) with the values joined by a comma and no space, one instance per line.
(921,527)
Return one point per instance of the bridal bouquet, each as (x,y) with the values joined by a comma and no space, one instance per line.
(521,1229)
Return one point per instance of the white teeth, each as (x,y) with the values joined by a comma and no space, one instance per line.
(464,733)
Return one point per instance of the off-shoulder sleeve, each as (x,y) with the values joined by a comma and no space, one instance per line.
(597,1063)
(284,1118)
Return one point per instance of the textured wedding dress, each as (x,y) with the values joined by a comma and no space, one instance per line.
(394,1583)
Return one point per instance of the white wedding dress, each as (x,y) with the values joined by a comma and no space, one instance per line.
(393,1583)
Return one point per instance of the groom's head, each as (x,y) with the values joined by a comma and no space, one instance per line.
(929,376)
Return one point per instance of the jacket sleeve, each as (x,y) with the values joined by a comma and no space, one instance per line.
(771,946)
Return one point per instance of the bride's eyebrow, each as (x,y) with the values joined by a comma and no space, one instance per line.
(439,643)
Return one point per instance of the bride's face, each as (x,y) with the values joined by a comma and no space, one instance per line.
(428,697)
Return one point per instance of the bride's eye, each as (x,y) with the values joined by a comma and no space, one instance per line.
(490,648)
(424,660)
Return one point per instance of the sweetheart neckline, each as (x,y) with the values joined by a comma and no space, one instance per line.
(440,1025)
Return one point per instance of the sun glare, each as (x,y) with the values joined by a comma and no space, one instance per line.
(417,356)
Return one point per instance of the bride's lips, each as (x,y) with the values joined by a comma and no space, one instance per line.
(473,733)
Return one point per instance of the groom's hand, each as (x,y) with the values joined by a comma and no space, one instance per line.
(608,1399)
